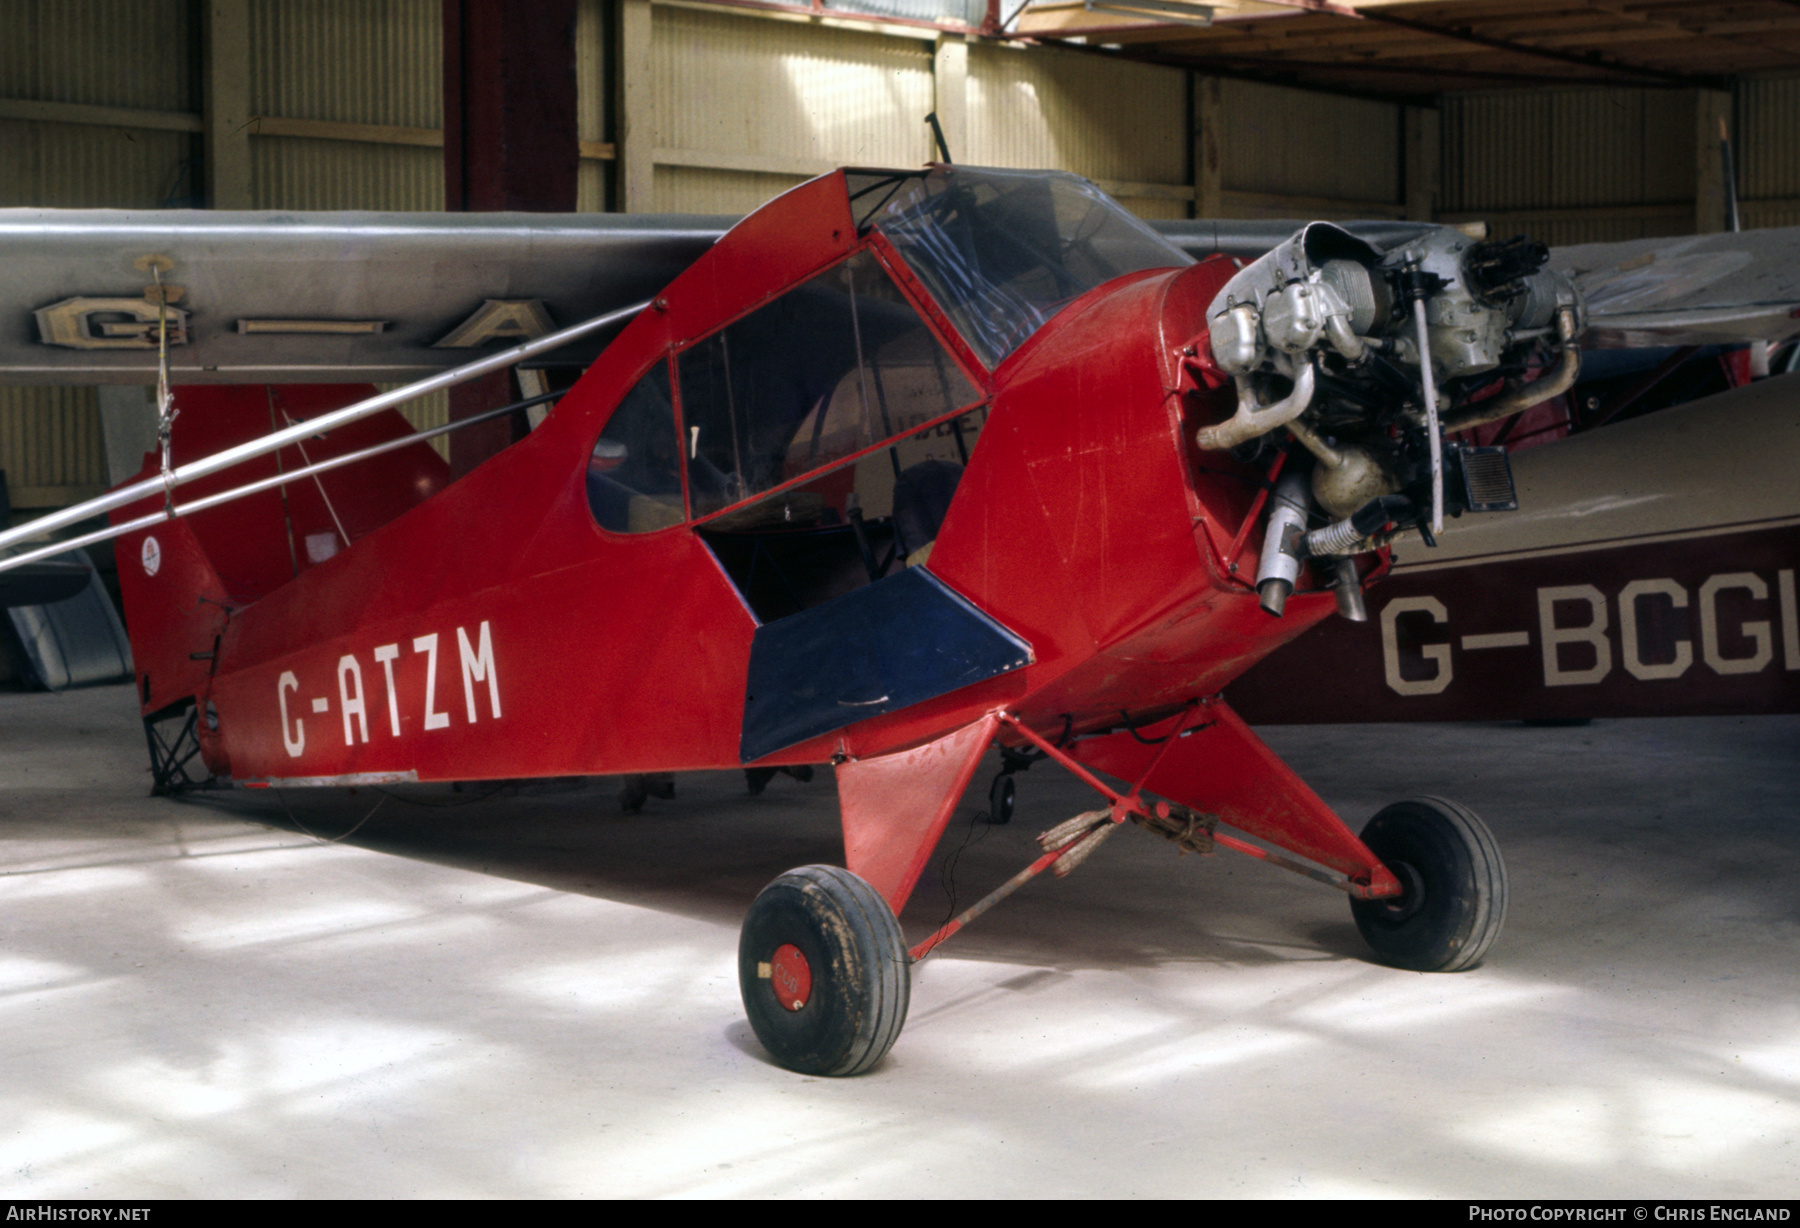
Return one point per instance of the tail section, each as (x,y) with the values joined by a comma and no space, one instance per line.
(181,579)
(259,543)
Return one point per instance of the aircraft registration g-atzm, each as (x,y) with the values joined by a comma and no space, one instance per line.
(903,465)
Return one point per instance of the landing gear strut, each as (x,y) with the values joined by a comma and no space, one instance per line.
(825,971)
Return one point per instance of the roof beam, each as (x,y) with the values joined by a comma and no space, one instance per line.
(1259,67)
(1591,63)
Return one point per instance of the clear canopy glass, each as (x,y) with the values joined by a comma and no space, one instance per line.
(1004,251)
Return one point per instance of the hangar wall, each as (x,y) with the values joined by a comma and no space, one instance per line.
(337,104)
(347,100)
(1574,166)
(1593,165)
(1768,135)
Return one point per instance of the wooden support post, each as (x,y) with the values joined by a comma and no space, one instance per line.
(226,105)
(511,142)
(1424,163)
(1209,192)
(636,120)
(1711,108)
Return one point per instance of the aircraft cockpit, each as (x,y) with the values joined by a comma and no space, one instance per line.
(816,442)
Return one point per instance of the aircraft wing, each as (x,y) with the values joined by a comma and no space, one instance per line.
(1249,239)
(337,297)
(1690,290)
(312,297)
(1718,289)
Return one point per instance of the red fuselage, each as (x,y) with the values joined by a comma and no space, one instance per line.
(496,630)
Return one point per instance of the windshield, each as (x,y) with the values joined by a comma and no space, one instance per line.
(1004,251)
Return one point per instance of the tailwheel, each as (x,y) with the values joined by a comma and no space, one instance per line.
(174,738)
(824,971)
(1454,898)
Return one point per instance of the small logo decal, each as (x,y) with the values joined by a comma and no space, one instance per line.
(152,555)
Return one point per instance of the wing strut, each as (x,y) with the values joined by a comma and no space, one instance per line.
(207,465)
(280,478)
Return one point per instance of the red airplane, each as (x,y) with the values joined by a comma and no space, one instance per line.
(906,465)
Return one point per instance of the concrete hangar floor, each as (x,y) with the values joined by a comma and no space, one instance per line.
(529,994)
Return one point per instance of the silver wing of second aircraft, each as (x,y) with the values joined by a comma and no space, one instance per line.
(1711,289)
(1690,290)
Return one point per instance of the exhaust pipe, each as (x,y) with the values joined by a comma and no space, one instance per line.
(1284,542)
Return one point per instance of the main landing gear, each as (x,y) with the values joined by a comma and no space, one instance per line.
(826,973)
(1453,901)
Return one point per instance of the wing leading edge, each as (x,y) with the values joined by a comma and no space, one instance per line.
(334,297)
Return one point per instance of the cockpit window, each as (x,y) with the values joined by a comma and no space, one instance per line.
(1004,251)
(827,370)
(634,471)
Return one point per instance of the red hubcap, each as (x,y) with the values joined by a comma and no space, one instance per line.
(791,976)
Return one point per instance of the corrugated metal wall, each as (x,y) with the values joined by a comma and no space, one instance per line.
(1591,165)
(304,173)
(1279,142)
(1572,166)
(365,61)
(61,167)
(105,54)
(1769,140)
(353,61)
(139,55)
(50,445)
(1109,120)
(747,108)
(593,101)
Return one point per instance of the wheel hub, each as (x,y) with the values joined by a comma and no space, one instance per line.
(1412,893)
(790,976)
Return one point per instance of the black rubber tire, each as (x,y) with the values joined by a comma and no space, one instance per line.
(1002,796)
(1455,899)
(861,972)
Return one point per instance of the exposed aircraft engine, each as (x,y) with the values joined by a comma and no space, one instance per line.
(1324,336)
